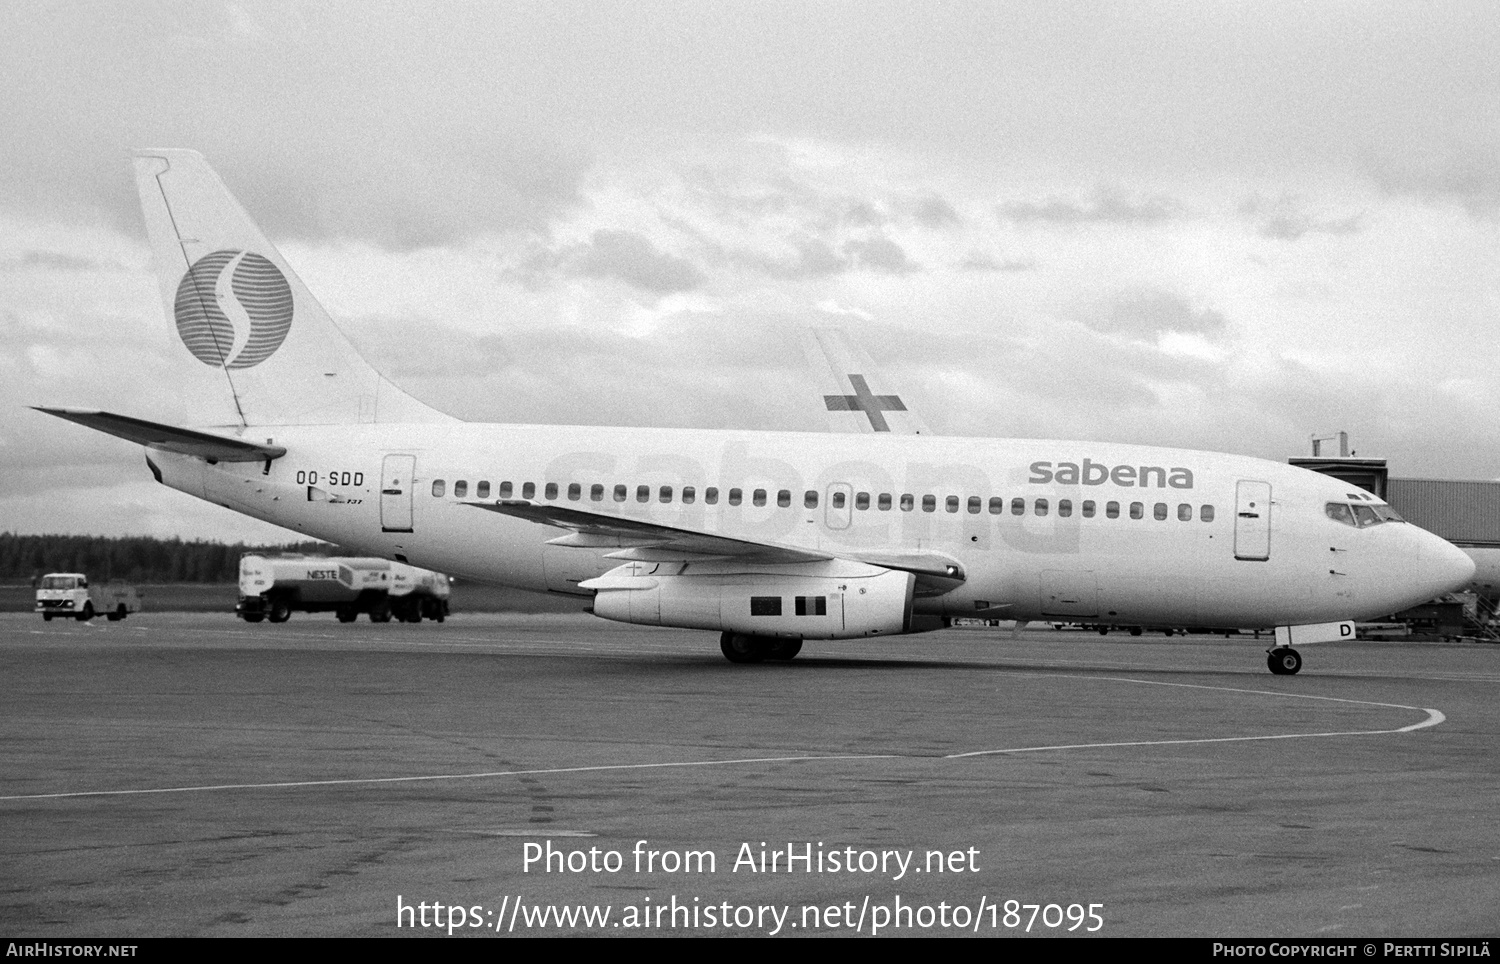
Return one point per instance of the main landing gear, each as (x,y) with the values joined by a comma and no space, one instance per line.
(1283,661)
(740,648)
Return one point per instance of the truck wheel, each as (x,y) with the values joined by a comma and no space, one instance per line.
(46,617)
(347,615)
(87,614)
(280,611)
(253,617)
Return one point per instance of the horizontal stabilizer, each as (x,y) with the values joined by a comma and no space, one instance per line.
(170,438)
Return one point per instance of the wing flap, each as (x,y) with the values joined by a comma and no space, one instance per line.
(170,438)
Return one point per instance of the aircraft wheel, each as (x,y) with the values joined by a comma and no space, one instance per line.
(739,648)
(1284,661)
(281,611)
(87,614)
(783,649)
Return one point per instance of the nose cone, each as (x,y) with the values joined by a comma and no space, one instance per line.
(1441,566)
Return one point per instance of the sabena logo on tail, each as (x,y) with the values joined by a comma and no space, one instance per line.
(233,309)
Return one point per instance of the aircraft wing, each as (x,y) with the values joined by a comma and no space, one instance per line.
(851,384)
(645,541)
(184,441)
(651,542)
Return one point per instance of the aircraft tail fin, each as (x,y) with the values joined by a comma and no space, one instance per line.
(852,404)
(252,338)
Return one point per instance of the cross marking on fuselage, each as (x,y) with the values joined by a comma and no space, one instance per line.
(863,400)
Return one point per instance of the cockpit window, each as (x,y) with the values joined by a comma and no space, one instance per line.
(1339,512)
(1361,516)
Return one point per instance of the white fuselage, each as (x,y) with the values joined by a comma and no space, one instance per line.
(1215,559)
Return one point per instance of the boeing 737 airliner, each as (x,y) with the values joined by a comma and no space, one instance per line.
(768,538)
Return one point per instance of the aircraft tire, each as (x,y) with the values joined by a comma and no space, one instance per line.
(783,649)
(739,648)
(1284,661)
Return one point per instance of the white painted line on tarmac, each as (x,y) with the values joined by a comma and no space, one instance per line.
(365,781)
(1434,717)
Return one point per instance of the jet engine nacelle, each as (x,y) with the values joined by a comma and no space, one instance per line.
(837,599)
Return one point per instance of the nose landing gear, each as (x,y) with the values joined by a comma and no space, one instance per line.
(1283,661)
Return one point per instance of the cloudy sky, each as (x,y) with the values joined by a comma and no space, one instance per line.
(1214,225)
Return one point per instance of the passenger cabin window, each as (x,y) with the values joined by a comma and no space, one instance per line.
(1111,510)
(460,489)
(1041,506)
(736,497)
(885,502)
(810,499)
(505,490)
(908,502)
(1137,510)
(1159,511)
(643,493)
(711,495)
(1184,512)
(1017,506)
(1064,507)
(758,497)
(575,491)
(528,491)
(1088,508)
(665,494)
(596,492)
(482,490)
(621,493)
(862,501)
(1206,513)
(951,503)
(997,505)
(551,490)
(784,498)
(689,495)
(439,487)
(839,500)
(929,503)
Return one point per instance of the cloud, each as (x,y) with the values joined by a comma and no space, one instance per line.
(625,256)
(1469,178)
(1150,311)
(1108,206)
(1281,219)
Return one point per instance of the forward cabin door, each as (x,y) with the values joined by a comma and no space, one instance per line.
(396,489)
(1252,521)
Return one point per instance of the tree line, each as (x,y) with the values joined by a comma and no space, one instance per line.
(135,558)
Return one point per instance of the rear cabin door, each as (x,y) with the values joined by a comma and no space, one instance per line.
(396,489)
(1252,521)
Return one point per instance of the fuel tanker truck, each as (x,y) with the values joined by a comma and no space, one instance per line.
(272,587)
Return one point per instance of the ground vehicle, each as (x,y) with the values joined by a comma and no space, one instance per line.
(418,593)
(69,594)
(273,587)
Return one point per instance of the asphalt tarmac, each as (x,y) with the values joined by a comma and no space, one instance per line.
(193,775)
